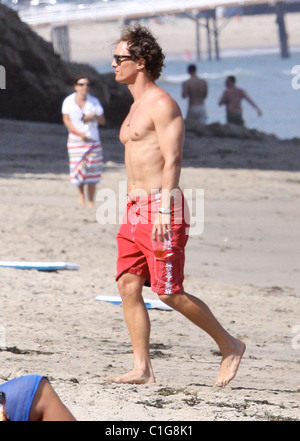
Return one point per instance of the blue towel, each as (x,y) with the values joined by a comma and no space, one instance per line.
(20,393)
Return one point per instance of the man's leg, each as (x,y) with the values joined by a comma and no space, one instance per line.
(47,406)
(198,312)
(138,323)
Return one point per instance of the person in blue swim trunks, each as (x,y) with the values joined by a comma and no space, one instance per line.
(32,398)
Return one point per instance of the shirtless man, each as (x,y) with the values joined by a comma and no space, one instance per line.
(232,98)
(153,135)
(195,89)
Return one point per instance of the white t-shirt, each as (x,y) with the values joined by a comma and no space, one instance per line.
(92,105)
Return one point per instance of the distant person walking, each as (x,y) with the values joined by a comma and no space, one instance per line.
(196,90)
(232,98)
(82,113)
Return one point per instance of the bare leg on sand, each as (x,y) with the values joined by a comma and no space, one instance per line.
(194,309)
(91,188)
(198,312)
(138,323)
(81,199)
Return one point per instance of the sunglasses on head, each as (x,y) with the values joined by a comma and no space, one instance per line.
(118,58)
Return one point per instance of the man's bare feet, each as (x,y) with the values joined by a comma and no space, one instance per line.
(230,363)
(132,378)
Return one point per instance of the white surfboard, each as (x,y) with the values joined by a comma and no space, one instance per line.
(150,303)
(41,266)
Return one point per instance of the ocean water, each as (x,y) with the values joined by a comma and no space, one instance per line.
(272,82)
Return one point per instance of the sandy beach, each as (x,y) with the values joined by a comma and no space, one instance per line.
(244,265)
(242,259)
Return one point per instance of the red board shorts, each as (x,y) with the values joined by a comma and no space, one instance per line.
(135,250)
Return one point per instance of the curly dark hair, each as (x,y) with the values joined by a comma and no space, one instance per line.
(142,44)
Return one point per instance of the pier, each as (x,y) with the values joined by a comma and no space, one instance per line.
(211,15)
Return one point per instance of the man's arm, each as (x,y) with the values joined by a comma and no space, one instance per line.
(184,92)
(169,129)
(247,98)
(223,99)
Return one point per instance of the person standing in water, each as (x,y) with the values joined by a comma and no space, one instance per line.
(196,90)
(232,98)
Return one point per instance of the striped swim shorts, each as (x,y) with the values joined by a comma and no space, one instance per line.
(136,255)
